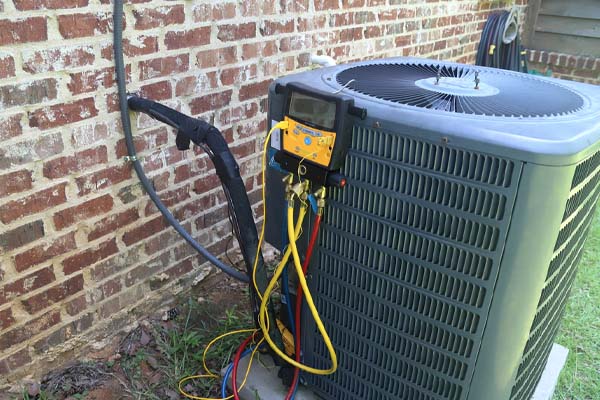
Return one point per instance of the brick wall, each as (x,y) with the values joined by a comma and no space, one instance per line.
(80,245)
(565,66)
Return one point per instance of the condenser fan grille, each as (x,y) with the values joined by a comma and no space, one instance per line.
(460,89)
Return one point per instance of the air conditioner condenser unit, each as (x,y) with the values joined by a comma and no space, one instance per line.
(444,265)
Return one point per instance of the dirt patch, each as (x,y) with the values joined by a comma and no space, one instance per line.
(149,361)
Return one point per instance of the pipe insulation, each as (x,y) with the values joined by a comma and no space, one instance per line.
(126,122)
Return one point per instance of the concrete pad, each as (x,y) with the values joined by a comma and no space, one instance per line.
(263,383)
(549,379)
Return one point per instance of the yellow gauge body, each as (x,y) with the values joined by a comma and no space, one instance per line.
(308,143)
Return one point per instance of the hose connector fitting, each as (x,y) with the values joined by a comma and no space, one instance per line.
(320,195)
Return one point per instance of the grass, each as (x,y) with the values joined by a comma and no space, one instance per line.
(178,351)
(580,329)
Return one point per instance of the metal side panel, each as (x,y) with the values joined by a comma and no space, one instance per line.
(579,211)
(406,267)
(535,224)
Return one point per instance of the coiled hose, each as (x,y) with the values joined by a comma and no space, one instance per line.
(494,51)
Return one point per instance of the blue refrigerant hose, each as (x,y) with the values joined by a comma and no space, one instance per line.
(228,373)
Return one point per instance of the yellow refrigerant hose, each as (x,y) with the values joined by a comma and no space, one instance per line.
(264,324)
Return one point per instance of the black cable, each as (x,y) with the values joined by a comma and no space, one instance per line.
(120,72)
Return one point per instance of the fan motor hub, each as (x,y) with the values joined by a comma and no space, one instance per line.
(463,86)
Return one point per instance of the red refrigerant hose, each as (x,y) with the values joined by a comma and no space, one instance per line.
(236,361)
(309,251)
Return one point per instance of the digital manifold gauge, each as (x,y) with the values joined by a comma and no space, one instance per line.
(319,132)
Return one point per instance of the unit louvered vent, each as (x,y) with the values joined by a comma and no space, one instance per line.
(578,216)
(406,265)
(461,89)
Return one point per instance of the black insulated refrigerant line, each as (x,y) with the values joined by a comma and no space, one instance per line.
(210,139)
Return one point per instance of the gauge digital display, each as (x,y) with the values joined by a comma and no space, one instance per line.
(312,110)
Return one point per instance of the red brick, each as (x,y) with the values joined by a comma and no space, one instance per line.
(243,112)
(22,235)
(314,22)
(58,59)
(18,359)
(149,18)
(27,5)
(32,204)
(238,74)
(53,295)
(173,155)
(164,66)
(326,4)
(170,198)
(7,66)
(88,209)
(63,114)
(76,306)
(372,31)
(45,252)
(160,182)
(112,223)
(90,81)
(64,333)
(142,45)
(10,126)
(102,179)
(80,161)
(85,24)
(402,41)
(244,149)
(217,57)
(157,91)
(223,11)
(32,92)
(209,102)
(23,30)
(179,269)
(353,3)
(149,139)
(85,135)
(147,269)
(194,208)
(351,34)
(203,13)
(191,85)
(439,45)
(186,39)
(29,330)
(254,90)
(109,289)
(6,319)
(26,284)
(269,28)
(90,256)
(294,6)
(183,173)
(143,231)
(15,182)
(206,184)
(234,32)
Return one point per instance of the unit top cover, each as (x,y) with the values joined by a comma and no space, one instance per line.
(521,116)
